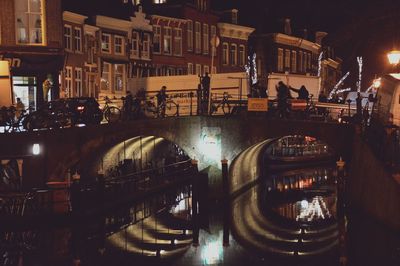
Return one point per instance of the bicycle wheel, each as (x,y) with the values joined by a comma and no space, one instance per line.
(112,114)
(226,108)
(171,109)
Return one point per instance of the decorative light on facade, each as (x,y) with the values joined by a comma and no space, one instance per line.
(320,63)
(337,85)
(360,65)
(394,57)
(36,149)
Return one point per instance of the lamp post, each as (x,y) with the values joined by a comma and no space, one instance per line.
(214,44)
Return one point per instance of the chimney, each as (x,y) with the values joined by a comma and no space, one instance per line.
(234,16)
(319,36)
(287,28)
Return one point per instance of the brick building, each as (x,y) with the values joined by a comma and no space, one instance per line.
(31,40)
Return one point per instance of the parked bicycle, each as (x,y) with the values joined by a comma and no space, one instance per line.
(111,113)
(151,110)
(223,104)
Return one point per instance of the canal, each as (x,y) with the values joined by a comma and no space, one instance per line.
(292,217)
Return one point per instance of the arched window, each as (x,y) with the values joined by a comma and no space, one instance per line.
(225,53)
(233,55)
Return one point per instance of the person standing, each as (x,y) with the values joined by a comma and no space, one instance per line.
(283,95)
(128,105)
(19,108)
(302,92)
(161,100)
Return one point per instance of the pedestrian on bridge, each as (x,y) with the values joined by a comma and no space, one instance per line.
(161,100)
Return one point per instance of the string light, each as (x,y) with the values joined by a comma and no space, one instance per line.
(320,64)
(360,65)
(337,85)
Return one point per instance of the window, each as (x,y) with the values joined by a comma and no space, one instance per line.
(242,55)
(78,82)
(294,61)
(29,21)
(214,70)
(106,43)
(233,55)
(146,46)
(91,46)
(159,1)
(287,59)
(214,33)
(190,35)
(304,62)
(198,37)
(167,41)
(206,40)
(68,37)
(301,62)
(78,39)
(105,76)
(119,44)
(198,69)
(225,53)
(280,60)
(157,39)
(119,71)
(177,41)
(309,62)
(135,44)
(190,69)
(68,81)
(206,69)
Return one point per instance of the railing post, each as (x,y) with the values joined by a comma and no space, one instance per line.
(225,187)
(195,200)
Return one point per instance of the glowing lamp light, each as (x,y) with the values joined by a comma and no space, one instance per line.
(394,57)
(36,149)
(376,83)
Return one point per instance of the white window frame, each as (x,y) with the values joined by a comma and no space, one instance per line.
(206,39)
(189,29)
(167,39)
(233,54)
(119,45)
(78,82)
(225,53)
(68,81)
(198,69)
(31,29)
(108,76)
(197,28)
(280,60)
(190,69)
(78,39)
(68,37)
(242,55)
(115,83)
(106,44)
(177,41)
(135,44)
(294,62)
(157,36)
(146,46)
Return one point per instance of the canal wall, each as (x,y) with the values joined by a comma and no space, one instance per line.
(371,187)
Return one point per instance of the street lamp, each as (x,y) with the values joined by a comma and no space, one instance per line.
(394,57)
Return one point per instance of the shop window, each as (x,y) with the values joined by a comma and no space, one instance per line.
(25,88)
(167,41)
(105,76)
(177,41)
(190,35)
(146,46)
(119,71)
(78,39)
(106,43)
(29,22)
(119,44)
(206,40)
(68,37)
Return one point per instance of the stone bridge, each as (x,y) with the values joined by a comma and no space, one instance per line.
(206,139)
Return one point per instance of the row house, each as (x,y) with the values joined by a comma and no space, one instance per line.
(31,40)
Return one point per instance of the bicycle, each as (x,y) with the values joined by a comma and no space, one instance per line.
(111,113)
(224,104)
(167,108)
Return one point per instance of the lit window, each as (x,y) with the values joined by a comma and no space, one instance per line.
(119,71)
(68,81)
(206,40)
(190,69)
(119,44)
(146,46)
(198,69)
(159,1)
(106,43)
(294,62)
(78,82)
(198,37)
(233,55)
(280,59)
(287,59)
(300,62)
(105,76)
(225,53)
(68,37)
(167,41)
(157,39)
(242,55)
(177,41)
(29,21)
(190,35)
(78,39)
(214,33)
(135,44)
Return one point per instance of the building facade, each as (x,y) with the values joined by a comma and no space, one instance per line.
(31,39)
